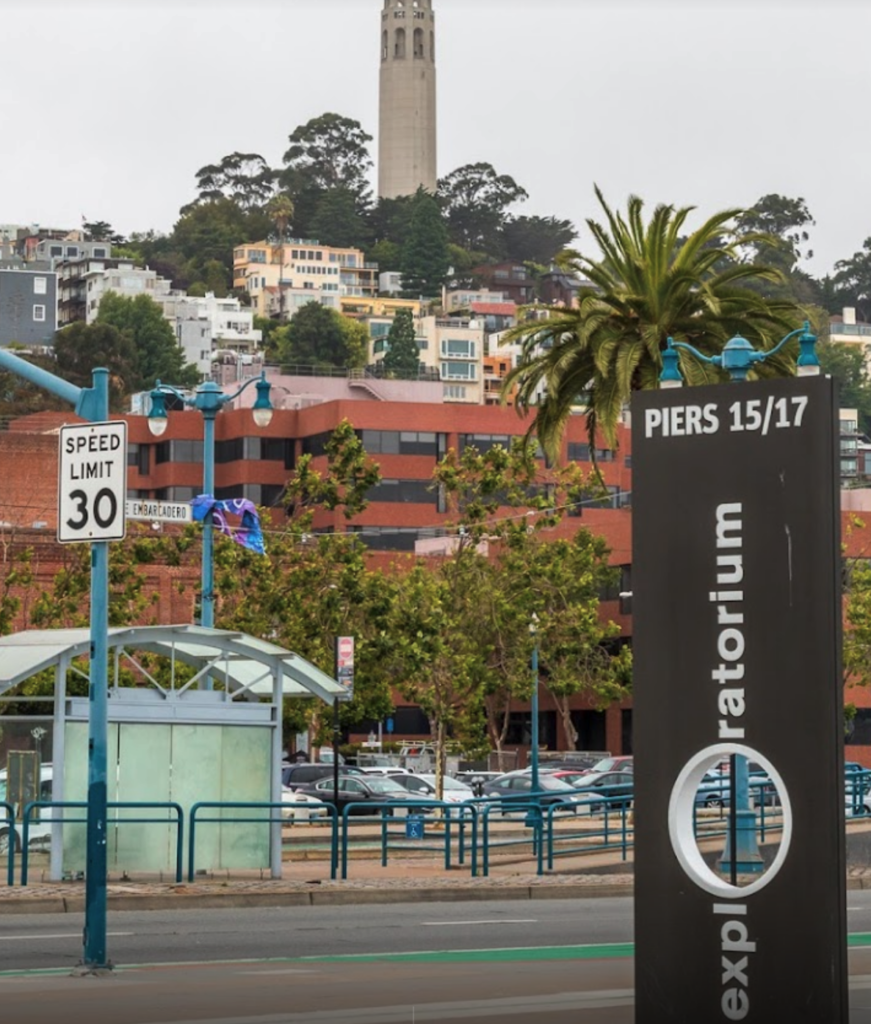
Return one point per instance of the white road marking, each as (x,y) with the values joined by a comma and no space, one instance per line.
(60,935)
(495,920)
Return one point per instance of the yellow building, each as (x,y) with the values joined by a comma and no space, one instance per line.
(378,306)
(281,278)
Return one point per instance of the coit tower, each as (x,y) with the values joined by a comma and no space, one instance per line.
(407,114)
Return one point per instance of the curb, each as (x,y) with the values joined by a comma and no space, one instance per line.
(333,897)
(315,898)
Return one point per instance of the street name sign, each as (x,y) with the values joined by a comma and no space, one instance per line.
(159,511)
(92,482)
(345,665)
(736,623)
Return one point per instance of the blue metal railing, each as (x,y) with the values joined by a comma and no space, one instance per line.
(385,813)
(197,819)
(119,805)
(11,837)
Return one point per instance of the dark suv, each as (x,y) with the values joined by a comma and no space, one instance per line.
(301,774)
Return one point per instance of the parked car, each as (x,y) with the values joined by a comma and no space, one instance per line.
(616,789)
(374,790)
(39,834)
(454,791)
(517,787)
(314,809)
(294,775)
(618,763)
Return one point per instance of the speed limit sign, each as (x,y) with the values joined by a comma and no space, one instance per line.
(92,484)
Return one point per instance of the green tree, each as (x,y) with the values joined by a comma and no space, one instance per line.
(476,201)
(311,587)
(157,353)
(315,337)
(536,239)
(280,211)
(776,227)
(647,284)
(328,152)
(852,283)
(846,363)
(424,261)
(102,231)
(356,335)
(80,347)
(244,179)
(403,354)
(208,231)
(337,220)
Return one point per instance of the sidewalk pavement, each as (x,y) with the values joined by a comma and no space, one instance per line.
(306,882)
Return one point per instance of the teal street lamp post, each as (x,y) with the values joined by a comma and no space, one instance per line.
(209,400)
(741,853)
(91,404)
(533,707)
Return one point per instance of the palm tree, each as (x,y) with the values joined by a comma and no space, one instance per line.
(649,283)
(280,210)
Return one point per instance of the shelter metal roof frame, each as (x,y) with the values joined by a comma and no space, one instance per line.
(246,664)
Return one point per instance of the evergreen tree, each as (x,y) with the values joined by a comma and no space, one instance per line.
(403,355)
(425,261)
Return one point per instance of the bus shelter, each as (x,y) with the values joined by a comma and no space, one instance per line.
(194,715)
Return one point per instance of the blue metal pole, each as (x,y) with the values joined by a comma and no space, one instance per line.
(207,615)
(95,874)
(534,710)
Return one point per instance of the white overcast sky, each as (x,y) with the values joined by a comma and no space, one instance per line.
(109,107)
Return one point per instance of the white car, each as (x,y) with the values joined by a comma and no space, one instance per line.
(455,792)
(39,834)
(313,809)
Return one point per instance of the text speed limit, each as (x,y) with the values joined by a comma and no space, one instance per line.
(92,489)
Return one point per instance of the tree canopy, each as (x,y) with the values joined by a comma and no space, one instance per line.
(648,283)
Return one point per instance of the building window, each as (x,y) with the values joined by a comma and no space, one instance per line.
(482,443)
(399,442)
(39,314)
(138,456)
(453,392)
(458,349)
(100,254)
(459,371)
(56,250)
(399,44)
(179,451)
(418,43)
(410,492)
(40,286)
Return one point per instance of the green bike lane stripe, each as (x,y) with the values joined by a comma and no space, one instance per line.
(510,954)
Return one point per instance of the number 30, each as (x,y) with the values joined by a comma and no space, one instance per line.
(102,518)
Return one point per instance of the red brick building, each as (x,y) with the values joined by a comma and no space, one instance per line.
(406,440)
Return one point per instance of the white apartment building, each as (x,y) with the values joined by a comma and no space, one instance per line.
(124,279)
(206,325)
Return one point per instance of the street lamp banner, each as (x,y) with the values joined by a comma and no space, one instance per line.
(92,482)
(345,665)
(737,630)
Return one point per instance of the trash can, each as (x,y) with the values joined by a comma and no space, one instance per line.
(414,826)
